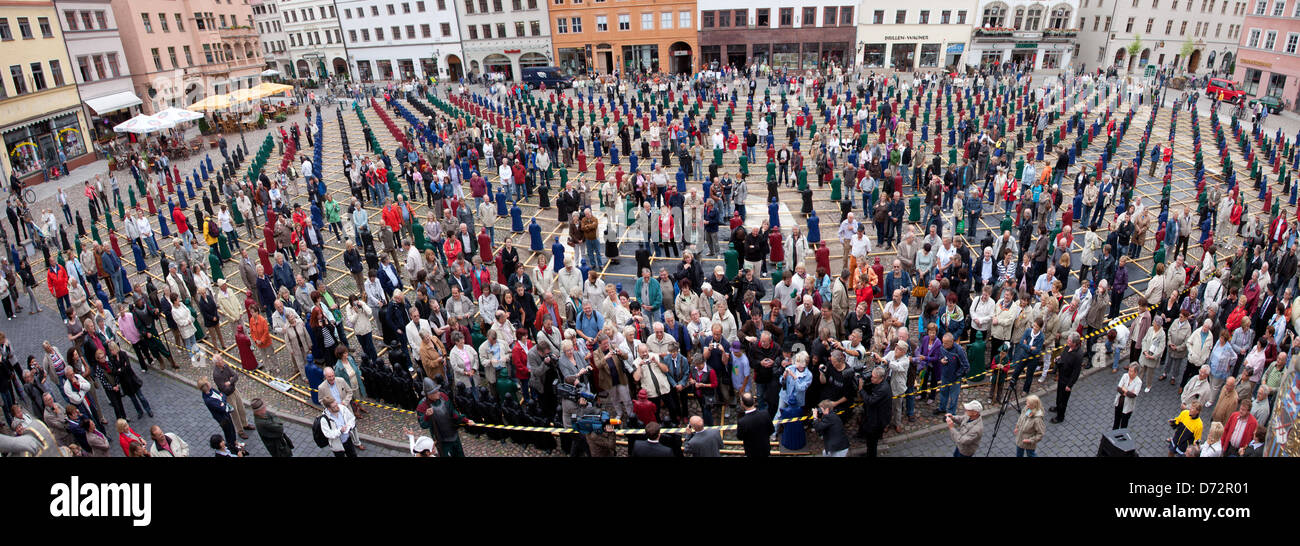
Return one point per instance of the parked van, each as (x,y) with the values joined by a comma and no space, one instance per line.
(548,75)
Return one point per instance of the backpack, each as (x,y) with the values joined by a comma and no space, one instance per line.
(318,434)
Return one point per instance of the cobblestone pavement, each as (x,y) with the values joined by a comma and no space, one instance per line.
(177,407)
(388,425)
(1090,414)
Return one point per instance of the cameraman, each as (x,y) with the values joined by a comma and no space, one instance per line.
(839,384)
(573,370)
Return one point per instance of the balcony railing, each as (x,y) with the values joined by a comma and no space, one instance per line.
(237,33)
(1011,33)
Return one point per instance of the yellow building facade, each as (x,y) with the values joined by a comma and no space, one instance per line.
(41,119)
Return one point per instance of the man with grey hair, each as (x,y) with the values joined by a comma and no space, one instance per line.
(1197,389)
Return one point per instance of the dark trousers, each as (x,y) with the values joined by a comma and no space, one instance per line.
(1121,418)
(228,429)
(1062,401)
(1032,364)
(873,441)
(349,449)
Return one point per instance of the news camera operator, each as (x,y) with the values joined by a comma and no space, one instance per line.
(572,371)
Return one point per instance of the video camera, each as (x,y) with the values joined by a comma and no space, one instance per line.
(594,422)
(573,392)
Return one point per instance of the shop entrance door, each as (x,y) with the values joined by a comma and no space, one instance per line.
(49,152)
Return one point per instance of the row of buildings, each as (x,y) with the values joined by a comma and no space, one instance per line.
(77,67)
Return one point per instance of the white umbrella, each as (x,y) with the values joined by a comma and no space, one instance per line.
(270,72)
(175,115)
(142,125)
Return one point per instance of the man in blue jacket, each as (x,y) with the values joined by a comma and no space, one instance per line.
(953,366)
(113,266)
(1028,352)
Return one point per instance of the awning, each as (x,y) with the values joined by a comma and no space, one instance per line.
(112,103)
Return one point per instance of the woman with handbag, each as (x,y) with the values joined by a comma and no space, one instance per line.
(128,380)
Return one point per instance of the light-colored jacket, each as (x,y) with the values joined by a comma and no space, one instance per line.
(1004,320)
(1030,429)
(1198,350)
(179,447)
(966,434)
(331,431)
(345,391)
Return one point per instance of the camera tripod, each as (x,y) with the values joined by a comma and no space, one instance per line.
(1010,398)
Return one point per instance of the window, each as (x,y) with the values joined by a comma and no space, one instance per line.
(1260,6)
(406,7)
(517,5)
(1182,30)
(995,16)
(535,27)
(87,21)
(38,77)
(419,6)
(496,6)
(352,35)
(683,19)
(157,59)
(647,21)
(1292,40)
(624,21)
(519,29)
(1060,18)
(602,23)
(148,26)
(576,23)
(846,16)
(189,58)
(1169,26)
(1129,26)
(900,16)
(724,18)
(1250,83)
(426,31)
(469,6)
(924,19)
(1106,28)
(706,19)
(763,17)
(365,35)
(1277,7)
(83,68)
(961,16)
(44,24)
(397,32)
(878,17)
(666,19)
(5,34)
(56,72)
(162,22)
(809,18)
(20,83)
(410,32)
(24,28)
(71,17)
(787,17)
(1270,39)
(473,32)
(1035,17)
(1253,39)
(1150,23)
(562,25)
(391,10)
(379,34)
(171,54)
(501,30)
(101,21)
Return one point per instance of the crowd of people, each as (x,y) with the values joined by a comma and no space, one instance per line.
(756,339)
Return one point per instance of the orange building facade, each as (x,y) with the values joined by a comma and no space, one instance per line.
(608,36)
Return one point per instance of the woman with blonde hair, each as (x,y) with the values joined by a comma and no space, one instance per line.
(1029,427)
(431,358)
(1213,442)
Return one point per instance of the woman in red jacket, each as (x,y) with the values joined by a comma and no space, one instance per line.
(126,436)
(452,248)
(57,279)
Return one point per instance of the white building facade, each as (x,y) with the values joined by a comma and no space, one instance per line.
(316,48)
(1197,36)
(1039,34)
(398,39)
(275,41)
(927,35)
(99,62)
(502,37)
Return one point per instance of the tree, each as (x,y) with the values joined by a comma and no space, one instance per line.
(1135,47)
(1187,48)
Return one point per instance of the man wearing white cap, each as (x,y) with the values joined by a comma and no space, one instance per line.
(966,430)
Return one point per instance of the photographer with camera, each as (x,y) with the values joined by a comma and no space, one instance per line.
(876,408)
(573,371)
(613,375)
(651,373)
(835,443)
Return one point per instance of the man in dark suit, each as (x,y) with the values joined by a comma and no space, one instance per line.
(702,442)
(1068,368)
(755,428)
(650,447)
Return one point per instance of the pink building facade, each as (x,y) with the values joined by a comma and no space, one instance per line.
(181,51)
(1268,56)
